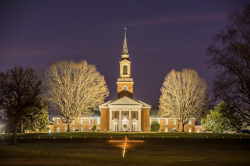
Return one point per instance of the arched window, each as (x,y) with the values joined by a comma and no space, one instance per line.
(125,69)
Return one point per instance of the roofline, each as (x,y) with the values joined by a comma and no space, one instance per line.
(80,117)
(168,118)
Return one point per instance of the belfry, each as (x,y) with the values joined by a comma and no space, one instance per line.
(125,82)
(125,113)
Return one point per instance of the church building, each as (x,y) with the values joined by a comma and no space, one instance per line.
(125,113)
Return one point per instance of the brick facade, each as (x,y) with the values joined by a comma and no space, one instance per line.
(167,124)
(81,124)
(104,119)
(199,129)
(145,116)
(128,84)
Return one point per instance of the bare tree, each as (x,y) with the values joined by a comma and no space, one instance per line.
(230,56)
(20,90)
(2,121)
(76,89)
(183,96)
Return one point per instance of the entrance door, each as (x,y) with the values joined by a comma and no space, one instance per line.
(125,125)
(134,126)
(125,128)
(116,127)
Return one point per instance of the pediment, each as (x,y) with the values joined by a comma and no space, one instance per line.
(125,101)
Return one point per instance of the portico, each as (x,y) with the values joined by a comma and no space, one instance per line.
(122,120)
(124,114)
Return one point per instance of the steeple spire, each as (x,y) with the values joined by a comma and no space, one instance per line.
(125,54)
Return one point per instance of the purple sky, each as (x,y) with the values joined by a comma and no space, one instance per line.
(162,35)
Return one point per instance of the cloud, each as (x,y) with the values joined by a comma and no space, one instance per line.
(206,17)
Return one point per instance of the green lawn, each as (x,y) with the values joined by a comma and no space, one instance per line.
(122,134)
(172,149)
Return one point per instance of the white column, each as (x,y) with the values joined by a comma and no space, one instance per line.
(139,118)
(120,120)
(110,119)
(129,121)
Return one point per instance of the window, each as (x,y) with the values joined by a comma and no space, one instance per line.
(125,69)
(58,129)
(174,121)
(115,115)
(82,129)
(166,121)
(74,129)
(134,115)
(98,121)
(90,121)
(190,130)
(166,129)
(58,121)
(82,121)
(198,131)
(66,129)
(190,121)
(125,115)
(74,122)
(90,129)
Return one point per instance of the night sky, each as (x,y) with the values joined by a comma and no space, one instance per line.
(162,35)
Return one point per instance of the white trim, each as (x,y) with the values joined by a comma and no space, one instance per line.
(139,118)
(82,129)
(125,101)
(57,121)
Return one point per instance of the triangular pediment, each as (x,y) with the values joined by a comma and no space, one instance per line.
(125,101)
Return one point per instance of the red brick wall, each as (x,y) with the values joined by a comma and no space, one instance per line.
(77,126)
(171,126)
(145,119)
(104,119)
(199,127)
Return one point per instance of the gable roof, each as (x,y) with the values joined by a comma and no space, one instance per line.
(125,101)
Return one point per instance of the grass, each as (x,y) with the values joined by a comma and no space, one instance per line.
(155,150)
(123,134)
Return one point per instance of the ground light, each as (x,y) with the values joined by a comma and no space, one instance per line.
(124,149)
(125,143)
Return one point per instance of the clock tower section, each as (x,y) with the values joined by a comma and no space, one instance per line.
(125,82)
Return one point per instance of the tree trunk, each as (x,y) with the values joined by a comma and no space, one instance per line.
(69,127)
(14,133)
(21,125)
(182,127)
